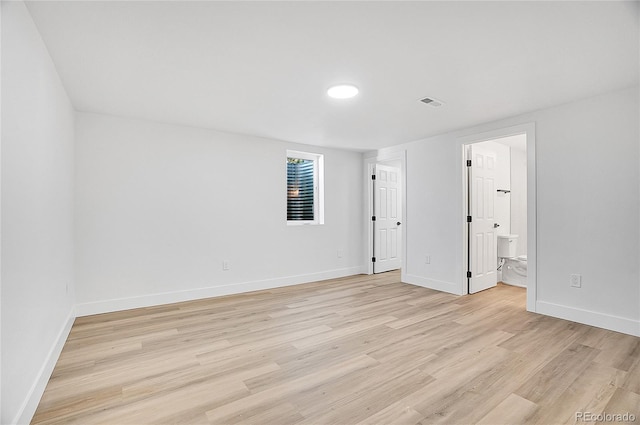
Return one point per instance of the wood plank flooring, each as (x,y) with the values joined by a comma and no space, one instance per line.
(357,350)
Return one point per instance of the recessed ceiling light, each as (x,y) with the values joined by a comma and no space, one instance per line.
(342,91)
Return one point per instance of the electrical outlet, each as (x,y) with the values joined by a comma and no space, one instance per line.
(226,265)
(340,253)
(427,259)
(575,280)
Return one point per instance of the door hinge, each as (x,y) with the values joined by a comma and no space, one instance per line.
(468,275)
(373,259)
(373,177)
(373,218)
(468,163)
(468,219)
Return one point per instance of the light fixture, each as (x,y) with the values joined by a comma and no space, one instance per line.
(342,91)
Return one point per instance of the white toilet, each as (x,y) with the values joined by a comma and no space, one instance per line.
(514,269)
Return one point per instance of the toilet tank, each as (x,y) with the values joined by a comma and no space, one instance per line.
(507,245)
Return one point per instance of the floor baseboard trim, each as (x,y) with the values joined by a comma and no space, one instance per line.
(587,317)
(30,404)
(437,285)
(108,306)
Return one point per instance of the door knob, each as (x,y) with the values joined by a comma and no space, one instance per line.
(398,223)
(495,225)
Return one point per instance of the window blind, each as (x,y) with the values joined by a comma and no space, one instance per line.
(300,189)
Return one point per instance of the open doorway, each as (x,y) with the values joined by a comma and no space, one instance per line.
(499,209)
(385,226)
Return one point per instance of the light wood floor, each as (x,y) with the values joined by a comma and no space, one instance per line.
(355,350)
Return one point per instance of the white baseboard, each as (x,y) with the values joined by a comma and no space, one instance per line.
(119,304)
(587,317)
(30,404)
(437,285)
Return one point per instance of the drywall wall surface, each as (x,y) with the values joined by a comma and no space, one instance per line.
(161,207)
(432,194)
(518,197)
(0,217)
(588,205)
(587,187)
(37,214)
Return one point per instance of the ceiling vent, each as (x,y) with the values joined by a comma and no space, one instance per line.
(432,102)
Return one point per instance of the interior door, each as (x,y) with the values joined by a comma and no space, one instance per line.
(387,237)
(482,233)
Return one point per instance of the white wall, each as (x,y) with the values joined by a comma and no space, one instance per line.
(37,215)
(511,174)
(0,217)
(587,185)
(159,207)
(518,196)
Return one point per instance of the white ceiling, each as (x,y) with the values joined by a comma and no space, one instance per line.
(262,68)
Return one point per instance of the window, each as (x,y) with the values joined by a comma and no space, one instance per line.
(305,188)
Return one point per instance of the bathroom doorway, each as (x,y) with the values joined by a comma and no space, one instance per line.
(498,211)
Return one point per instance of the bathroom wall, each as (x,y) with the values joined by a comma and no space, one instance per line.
(514,204)
(519,194)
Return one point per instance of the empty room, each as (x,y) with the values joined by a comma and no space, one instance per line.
(319,212)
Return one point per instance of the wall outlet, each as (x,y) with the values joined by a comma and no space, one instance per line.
(340,253)
(226,265)
(427,259)
(575,280)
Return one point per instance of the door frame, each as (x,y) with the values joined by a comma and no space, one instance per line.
(369,163)
(532,235)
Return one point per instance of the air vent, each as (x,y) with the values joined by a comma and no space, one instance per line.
(432,102)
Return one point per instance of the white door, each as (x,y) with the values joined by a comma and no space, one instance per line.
(387,237)
(482,233)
